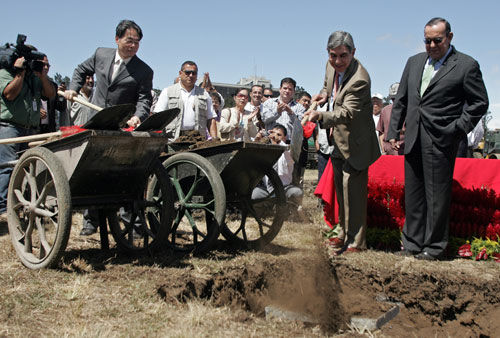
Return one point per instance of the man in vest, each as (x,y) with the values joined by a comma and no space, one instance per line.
(193,101)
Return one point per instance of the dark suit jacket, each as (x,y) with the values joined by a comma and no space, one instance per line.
(351,116)
(132,85)
(457,83)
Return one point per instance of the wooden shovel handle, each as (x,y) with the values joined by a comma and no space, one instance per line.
(80,101)
(29,138)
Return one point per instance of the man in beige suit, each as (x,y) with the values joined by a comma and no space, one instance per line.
(349,115)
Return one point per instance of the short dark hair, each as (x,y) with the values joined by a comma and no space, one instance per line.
(306,94)
(257,85)
(288,80)
(188,63)
(280,126)
(215,97)
(340,38)
(436,20)
(126,24)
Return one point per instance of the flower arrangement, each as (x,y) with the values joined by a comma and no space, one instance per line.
(481,249)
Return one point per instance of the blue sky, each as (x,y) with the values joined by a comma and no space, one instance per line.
(274,39)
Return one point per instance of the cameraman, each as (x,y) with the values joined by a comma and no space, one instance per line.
(21,89)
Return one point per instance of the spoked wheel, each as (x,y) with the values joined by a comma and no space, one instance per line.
(39,209)
(254,222)
(145,226)
(200,202)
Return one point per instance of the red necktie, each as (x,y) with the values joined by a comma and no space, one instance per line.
(336,85)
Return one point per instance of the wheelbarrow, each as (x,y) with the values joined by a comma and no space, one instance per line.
(213,194)
(102,169)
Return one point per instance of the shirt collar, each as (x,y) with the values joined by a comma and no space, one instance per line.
(440,61)
(118,57)
(291,103)
(185,90)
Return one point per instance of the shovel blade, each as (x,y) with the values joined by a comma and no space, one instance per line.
(110,118)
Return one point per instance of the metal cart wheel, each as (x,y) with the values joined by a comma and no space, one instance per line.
(253,223)
(39,208)
(200,202)
(146,226)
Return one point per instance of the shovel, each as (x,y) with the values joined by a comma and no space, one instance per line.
(109,118)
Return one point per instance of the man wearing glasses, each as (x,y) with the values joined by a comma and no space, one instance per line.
(441,98)
(268,93)
(194,102)
(121,77)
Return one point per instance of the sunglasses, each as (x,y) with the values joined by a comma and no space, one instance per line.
(242,96)
(190,72)
(436,41)
(267,95)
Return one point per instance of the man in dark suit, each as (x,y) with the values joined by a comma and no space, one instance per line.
(121,77)
(441,98)
(347,90)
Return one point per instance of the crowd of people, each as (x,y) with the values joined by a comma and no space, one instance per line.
(440,98)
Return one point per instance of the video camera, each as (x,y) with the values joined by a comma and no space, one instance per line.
(10,53)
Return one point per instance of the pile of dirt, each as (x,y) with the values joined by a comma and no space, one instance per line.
(306,286)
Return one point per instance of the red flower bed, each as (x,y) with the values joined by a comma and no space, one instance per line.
(473,213)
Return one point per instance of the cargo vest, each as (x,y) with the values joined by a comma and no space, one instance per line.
(173,129)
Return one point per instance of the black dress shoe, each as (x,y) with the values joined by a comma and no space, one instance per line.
(425,256)
(88,231)
(406,253)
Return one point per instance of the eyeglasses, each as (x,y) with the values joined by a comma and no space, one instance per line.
(268,95)
(190,72)
(436,41)
(132,42)
(242,96)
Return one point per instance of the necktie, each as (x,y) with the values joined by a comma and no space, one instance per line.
(117,69)
(426,77)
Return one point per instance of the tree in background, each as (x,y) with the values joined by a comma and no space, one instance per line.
(58,79)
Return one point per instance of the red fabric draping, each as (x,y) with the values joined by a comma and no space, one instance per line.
(469,173)
(326,191)
(308,128)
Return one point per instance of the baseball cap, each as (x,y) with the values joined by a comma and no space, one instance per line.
(393,90)
(378,96)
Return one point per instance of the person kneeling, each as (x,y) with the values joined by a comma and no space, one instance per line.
(284,168)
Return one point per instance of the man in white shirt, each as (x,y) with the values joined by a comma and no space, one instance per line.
(194,102)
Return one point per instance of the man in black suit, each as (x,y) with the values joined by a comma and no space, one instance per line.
(121,77)
(441,98)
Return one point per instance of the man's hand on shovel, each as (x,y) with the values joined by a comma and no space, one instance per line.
(134,121)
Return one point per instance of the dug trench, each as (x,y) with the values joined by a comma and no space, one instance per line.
(328,291)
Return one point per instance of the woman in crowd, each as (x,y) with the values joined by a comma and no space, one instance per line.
(236,123)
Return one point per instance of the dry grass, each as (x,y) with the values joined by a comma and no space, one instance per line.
(97,294)
(108,294)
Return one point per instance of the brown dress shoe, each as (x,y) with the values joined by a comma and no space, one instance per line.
(353,250)
(336,242)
